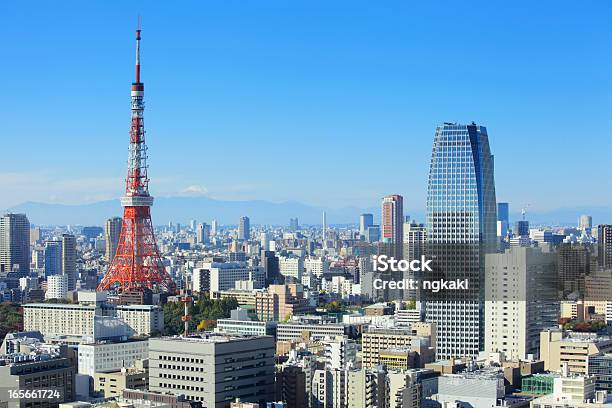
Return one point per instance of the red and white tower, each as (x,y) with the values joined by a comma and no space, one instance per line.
(137,264)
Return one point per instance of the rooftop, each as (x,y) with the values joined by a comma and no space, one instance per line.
(211,338)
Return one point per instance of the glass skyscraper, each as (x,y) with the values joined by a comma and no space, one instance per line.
(461,228)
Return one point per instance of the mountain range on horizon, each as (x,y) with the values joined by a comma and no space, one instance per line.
(260,212)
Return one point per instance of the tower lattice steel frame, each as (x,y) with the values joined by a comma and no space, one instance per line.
(137,264)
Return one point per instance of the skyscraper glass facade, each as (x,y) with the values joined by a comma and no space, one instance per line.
(461,228)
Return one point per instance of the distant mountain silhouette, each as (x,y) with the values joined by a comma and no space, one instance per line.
(205,209)
(183,209)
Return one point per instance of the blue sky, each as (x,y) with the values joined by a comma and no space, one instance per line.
(330,103)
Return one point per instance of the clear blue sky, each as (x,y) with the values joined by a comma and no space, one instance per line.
(329,103)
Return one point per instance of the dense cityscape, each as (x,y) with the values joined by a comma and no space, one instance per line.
(464,308)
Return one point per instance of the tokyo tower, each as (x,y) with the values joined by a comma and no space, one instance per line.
(137,264)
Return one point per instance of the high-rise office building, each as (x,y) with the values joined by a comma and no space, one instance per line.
(244,229)
(521,228)
(271,267)
(214,227)
(91,232)
(38,259)
(604,245)
(414,246)
(53,258)
(35,235)
(503,219)
(294,224)
(112,229)
(585,223)
(57,287)
(365,221)
(264,241)
(461,229)
(69,259)
(521,300)
(372,233)
(574,264)
(324,232)
(414,240)
(203,233)
(14,243)
(392,223)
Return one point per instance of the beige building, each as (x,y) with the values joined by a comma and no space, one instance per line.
(572,309)
(281,302)
(243,297)
(144,319)
(367,388)
(112,383)
(403,391)
(402,358)
(598,294)
(558,346)
(419,338)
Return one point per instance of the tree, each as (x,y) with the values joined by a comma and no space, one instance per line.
(203,309)
(11,318)
(207,325)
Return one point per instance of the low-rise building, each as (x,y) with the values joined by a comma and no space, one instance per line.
(213,369)
(281,302)
(112,383)
(558,346)
(297,330)
(420,338)
(92,319)
(240,323)
(110,356)
(44,367)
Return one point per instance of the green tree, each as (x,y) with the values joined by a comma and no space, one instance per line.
(11,318)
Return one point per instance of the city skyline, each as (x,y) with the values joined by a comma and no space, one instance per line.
(292,258)
(303,105)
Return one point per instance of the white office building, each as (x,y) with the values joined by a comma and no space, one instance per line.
(223,276)
(110,356)
(291,267)
(316,266)
(57,287)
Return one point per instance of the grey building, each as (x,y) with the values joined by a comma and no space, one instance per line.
(112,230)
(477,389)
(14,243)
(600,366)
(244,229)
(365,221)
(214,369)
(461,229)
(521,300)
(69,267)
(604,245)
(35,373)
(53,258)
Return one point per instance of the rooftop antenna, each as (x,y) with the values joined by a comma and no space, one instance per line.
(138,51)
(524,211)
